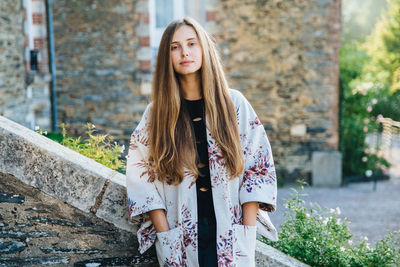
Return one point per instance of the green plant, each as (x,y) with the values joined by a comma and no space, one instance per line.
(101,148)
(383,46)
(319,237)
(370,86)
(359,101)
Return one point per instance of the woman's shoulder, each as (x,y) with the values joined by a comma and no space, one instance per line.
(237,97)
(145,120)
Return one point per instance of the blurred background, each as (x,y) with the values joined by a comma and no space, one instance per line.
(322,75)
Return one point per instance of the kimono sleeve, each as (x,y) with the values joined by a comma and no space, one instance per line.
(259,178)
(142,194)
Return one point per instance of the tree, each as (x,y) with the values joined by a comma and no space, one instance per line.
(383,46)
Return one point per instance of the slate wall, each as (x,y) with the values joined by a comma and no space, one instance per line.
(37,229)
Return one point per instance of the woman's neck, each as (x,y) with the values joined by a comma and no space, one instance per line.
(191,86)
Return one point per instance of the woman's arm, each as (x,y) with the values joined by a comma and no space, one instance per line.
(159,220)
(250,213)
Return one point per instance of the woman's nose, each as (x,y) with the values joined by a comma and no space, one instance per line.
(185,51)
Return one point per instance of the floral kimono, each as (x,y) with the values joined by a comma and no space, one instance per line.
(235,241)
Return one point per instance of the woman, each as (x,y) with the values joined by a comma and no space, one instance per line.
(200,173)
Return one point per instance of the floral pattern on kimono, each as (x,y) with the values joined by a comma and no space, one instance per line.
(235,241)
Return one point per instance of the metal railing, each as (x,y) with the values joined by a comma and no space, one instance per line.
(390,132)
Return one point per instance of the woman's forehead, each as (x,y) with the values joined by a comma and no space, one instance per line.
(184,33)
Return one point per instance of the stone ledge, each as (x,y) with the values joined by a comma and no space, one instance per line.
(63,173)
(81,182)
(269,256)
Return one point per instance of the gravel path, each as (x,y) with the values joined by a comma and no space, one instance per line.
(371,213)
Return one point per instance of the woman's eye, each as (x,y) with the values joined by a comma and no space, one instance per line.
(174,47)
(192,43)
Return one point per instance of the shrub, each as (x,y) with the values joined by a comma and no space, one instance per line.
(369,70)
(360,101)
(100,148)
(319,237)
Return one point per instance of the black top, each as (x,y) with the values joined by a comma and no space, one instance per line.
(205,206)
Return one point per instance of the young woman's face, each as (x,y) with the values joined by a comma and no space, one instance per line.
(186,52)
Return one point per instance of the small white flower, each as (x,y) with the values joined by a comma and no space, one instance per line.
(369,109)
(338,211)
(374,101)
(314,239)
(379,118)
(364,159)
(342,249)
(367,246)
(332,211)
(364,87)
(93,126)
(122,148)
(350,242)
(368,173)
(365,238)
(45,132)
(37,127)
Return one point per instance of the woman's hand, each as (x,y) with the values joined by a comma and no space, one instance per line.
(159,220)
(250,213)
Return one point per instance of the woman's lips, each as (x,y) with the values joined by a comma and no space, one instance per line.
(186,63)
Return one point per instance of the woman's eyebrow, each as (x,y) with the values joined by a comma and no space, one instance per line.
(189,39)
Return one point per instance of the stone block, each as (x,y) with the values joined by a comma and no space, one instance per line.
(144,53)
(114,207)
(12,247)
(268,256)
(145,88)
(298,130)
(326,168)
(142,7)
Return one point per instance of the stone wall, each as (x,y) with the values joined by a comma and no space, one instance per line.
(13,97)
(283,55)
(37,229)
(101,60)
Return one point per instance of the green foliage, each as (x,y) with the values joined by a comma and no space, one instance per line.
(370,85)
(388,105)
(55,136)
(383,46)
(101,148)
(360,16)
(358,115)
(319,237)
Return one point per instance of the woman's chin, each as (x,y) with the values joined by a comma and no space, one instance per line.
(187,72)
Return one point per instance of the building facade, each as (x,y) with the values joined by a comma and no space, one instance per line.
(283,55)
(24,72)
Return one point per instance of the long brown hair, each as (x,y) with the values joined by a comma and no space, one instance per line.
(170,136)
